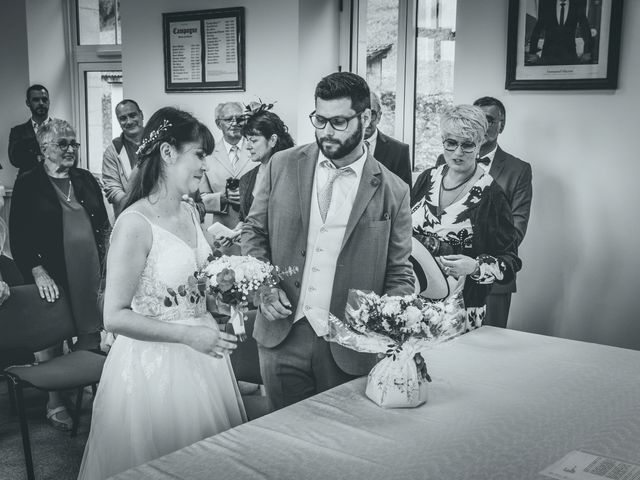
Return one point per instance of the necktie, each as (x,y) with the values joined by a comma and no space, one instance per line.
(366,142)
(234,158)
(484,160)
(324,194)
(561,13)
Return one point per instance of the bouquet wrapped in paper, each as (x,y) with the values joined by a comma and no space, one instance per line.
(234,281)
(402,328)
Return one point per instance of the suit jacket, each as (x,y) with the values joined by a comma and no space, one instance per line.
(215,179)
(375,249)
(24,150)
(514,177)
(559,45)
(247,184)
(35,221)
(394,155)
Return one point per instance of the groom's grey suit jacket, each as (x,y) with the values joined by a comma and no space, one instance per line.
(375,249)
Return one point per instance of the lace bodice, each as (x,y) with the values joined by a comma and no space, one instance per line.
(169,263)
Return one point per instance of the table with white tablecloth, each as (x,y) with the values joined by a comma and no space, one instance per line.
(503,404)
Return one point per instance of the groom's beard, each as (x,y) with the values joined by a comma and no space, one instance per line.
(345,147)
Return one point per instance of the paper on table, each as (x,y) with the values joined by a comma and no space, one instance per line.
(219,230)
(579,465)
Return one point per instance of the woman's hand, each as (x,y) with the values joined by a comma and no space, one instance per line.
(210,341)
(458,265)
(4,291)
(46,286)
(228,240)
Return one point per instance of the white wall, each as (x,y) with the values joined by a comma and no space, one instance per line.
(581,262)
(48,53)
(280,66)
(14,78)
(34,51)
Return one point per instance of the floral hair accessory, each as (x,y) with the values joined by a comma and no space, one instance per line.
(153,136)
(257,107)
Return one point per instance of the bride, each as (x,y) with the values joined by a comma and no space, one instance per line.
(167,381)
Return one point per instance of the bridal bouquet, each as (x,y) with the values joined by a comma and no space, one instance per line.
(237,280)
(401,328)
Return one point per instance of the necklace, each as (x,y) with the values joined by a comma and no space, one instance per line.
(461,183)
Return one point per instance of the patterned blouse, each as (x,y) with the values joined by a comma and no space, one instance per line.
(478,225)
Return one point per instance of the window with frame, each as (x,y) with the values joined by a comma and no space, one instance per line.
(405,49)
(96,39)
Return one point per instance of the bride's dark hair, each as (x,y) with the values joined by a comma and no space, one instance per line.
(172,126)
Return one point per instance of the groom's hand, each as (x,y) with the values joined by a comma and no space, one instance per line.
(275,305)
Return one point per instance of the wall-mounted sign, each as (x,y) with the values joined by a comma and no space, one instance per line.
(204,50)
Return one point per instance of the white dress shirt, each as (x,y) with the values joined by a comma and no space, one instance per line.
(490,156)
(566,11)
(228,147)
(372,141)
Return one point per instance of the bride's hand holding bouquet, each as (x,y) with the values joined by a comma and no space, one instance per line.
(235,281)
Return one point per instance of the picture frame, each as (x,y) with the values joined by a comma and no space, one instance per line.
(204,50)
(581,53)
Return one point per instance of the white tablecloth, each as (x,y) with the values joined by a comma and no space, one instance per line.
(503,404)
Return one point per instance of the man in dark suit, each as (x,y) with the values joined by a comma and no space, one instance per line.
(343,219)
(24,151)
(559,21)
(390,152)
(514,177)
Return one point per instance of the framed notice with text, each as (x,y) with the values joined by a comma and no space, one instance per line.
(563,44)
(204,50)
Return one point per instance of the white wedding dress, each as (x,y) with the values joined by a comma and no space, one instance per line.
(157,397)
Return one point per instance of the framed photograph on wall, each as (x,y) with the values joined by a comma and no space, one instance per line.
(563,44)
(204,50)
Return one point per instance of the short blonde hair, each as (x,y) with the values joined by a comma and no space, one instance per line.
(465,121)
(52,130)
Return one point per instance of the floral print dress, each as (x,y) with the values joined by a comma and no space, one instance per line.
(457,225)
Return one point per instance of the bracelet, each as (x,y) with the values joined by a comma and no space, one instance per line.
(476,271)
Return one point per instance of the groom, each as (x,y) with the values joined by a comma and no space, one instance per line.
(343,219)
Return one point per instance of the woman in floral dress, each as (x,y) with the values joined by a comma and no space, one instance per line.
(462,215)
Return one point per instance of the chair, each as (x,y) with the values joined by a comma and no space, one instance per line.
(246,367)
(30,323)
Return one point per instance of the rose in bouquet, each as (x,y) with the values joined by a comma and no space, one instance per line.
(237,280)
(401,328)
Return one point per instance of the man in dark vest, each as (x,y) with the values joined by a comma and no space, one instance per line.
(119,159)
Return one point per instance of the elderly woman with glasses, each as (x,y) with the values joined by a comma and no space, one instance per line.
(462,216)
(58,226)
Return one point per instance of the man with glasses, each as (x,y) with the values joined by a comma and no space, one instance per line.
(514,177)
(342,218)
(120,158)
(390,152)
(228,162)
(24,151)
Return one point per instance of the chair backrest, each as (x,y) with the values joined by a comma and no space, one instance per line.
(9,271)
(244,359)
(31,323)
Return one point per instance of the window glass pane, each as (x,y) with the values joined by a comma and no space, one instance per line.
(382,57)
(98,22)
(103,92)
(435,53)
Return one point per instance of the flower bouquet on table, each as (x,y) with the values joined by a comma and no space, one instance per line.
(236,280)
(401,328)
